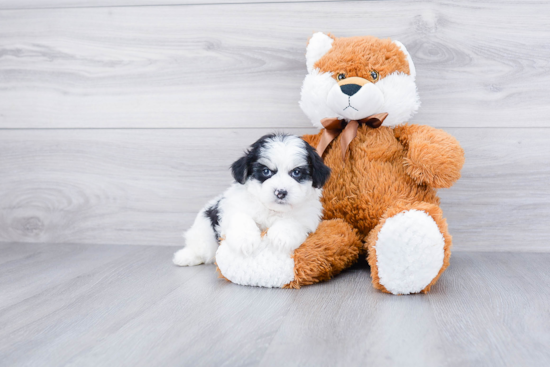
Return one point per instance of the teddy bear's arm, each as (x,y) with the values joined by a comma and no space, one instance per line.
(433,157)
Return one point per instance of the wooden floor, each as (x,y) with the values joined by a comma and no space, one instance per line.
(86,305)
(119,120)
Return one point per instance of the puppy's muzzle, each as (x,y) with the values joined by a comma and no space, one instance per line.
(352,85)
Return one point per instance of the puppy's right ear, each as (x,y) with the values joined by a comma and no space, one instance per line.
(320,173)
(239,169)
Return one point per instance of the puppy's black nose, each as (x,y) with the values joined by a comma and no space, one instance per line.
(281,194)
(350,89)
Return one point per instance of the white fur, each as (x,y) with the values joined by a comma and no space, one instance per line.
(282,155)
(245,258)
(321,96)
(202,236)
(401,100)
(409,251)
(367,101)
(412,68)
(319,44)
(247,210)
(313,102)
(269,268)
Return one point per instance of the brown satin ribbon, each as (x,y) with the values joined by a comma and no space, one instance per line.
(333,128)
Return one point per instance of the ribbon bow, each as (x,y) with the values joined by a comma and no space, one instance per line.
(334,127)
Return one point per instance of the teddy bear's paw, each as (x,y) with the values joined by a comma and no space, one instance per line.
(265,269)
(409,252)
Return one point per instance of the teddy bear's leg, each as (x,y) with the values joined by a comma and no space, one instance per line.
(333,247)
(409,249)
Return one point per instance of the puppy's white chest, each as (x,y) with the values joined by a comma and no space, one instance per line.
(272,268)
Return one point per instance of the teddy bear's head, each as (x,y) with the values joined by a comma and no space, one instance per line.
(356,77)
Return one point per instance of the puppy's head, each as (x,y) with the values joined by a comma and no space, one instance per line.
(351,78)
(282,171)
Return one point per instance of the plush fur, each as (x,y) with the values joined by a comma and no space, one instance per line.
(263,217)
(393,91)
(332,248)
(381,202)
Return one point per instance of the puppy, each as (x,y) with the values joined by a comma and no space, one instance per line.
(253,228)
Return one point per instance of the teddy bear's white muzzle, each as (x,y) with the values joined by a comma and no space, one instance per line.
(355,102)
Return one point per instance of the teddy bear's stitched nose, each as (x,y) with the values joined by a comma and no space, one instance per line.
(350,89)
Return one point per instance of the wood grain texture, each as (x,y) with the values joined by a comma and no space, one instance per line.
(48,4)
(137,309)
(465,321)
(495,285)
(347,323)
(146,186)
(480,64)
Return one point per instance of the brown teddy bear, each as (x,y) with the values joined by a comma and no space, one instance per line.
(381,199)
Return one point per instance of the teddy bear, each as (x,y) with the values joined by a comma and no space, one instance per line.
(381,198)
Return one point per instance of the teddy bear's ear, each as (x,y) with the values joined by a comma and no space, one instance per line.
(409,59)
(319,44)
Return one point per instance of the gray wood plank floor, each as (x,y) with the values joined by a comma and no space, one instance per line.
(97,305)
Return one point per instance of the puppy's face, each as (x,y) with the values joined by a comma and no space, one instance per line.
(282,171)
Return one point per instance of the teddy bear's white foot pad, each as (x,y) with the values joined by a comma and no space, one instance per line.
(269,268)
(409,252)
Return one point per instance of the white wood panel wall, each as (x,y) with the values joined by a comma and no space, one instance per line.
(49,4)
(118,123)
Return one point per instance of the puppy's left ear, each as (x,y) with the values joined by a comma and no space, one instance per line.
(319,171)
(239,169)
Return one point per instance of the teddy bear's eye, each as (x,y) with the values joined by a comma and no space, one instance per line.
(341,76)
(374,75)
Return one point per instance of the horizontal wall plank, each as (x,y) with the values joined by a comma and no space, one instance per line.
(145,186)
(241,65)
(48,4)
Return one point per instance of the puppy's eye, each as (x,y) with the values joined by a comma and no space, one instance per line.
(267,172)
(296,173)
(374,75)
(341,76)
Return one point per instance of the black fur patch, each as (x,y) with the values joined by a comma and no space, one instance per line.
(301,174)
(258,172)
(248,166)
(319,172)
(245,166)
(213,213)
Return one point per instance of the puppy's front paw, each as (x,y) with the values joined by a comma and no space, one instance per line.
(187,257)
(248,246)
(248,242)
(285,238)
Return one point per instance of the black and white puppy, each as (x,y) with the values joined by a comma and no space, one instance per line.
(277,189)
